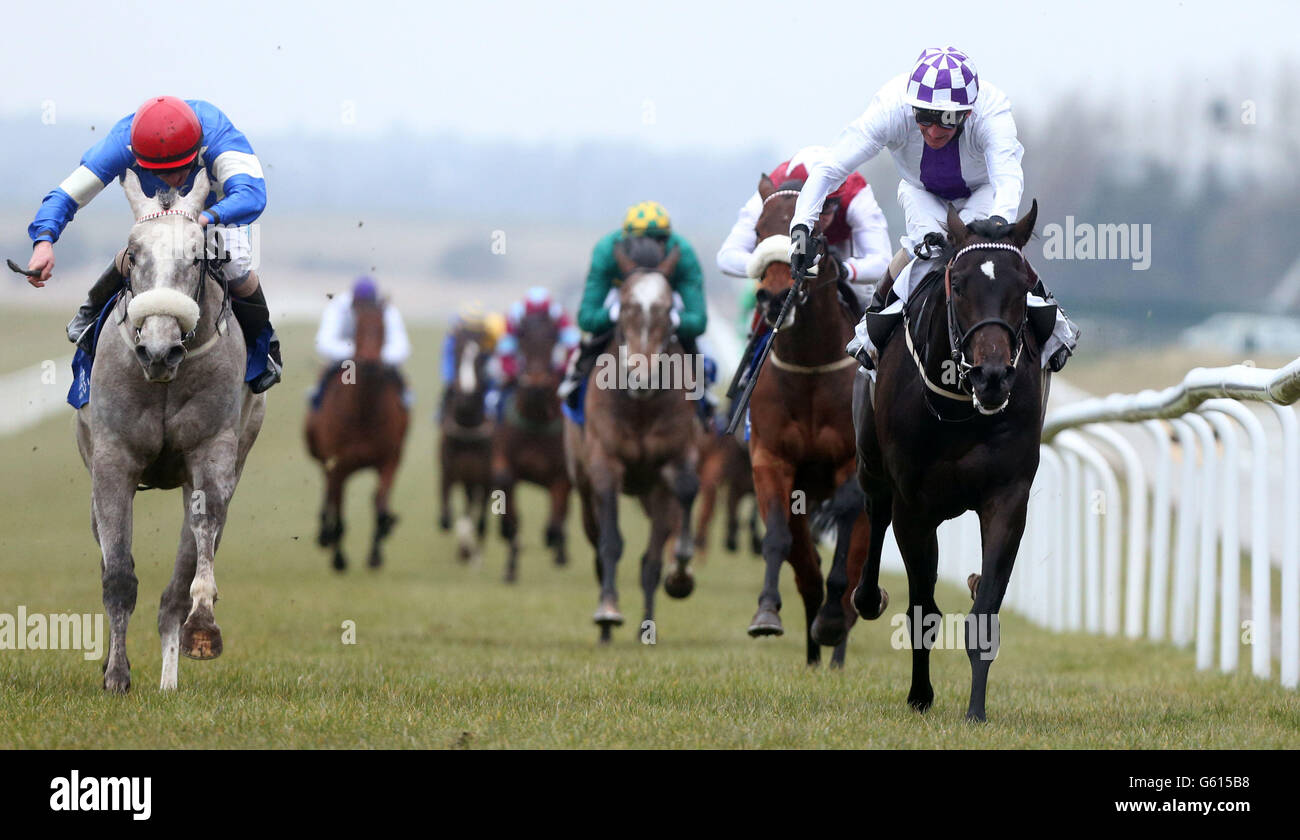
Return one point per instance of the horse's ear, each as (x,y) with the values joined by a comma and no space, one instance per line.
(624,262)
(1024,227)
(140,203)
(669,265)
(765,187)
(956,227)
(197,197)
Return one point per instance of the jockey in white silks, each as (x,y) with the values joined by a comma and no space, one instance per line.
(954,142)
(335,339)
(858,229)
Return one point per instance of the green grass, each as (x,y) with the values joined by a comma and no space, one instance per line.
(33,335)
(448,656)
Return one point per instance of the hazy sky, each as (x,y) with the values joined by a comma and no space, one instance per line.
(669,73)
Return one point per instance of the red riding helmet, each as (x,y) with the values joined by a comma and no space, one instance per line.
(165,133)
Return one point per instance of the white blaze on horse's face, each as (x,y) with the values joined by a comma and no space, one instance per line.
(647,301)
(466,375)
(165,273)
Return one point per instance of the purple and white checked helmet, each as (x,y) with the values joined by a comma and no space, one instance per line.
(943,79)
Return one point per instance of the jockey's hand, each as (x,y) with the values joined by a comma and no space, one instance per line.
(801,256)
(613,312)
(43,261)
(675,317)
(204,219)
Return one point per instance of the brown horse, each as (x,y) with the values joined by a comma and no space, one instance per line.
(361,424)
(529,442)
(801,440)
(465,452)
(724,462)
(638,439)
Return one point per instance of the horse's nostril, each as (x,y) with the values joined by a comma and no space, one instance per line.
(141,353)
(174,355)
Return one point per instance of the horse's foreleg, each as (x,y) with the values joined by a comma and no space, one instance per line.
(869,599)
(684,484)
(660,509)
(919,545)
(808,580)
(607,480)
(1002,524)
(331,517)
(213,472)
(175,603)
(444,493)
(112,497)
(384,520)
(773,484)
(560,488)
(848,509)
(509,526)
(711,475)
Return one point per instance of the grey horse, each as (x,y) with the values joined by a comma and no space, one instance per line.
(168,408)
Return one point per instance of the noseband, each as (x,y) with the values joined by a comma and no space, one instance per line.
(208,267)
(957,338)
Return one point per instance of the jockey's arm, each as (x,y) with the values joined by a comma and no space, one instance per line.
(106,160)
(592,315)
(859,142)
(688,281)
(996,135)
(397,345)
(733,256)
(331,342)
(234,166)
(871,253)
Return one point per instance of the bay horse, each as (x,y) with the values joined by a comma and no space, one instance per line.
(638,439)
(954,425)
(465,450)
(168,408)
(529,442)
(360,424)
(801,440)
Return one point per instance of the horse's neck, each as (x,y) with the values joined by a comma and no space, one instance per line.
(820,328)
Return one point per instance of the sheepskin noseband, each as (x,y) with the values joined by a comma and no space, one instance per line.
(164,301)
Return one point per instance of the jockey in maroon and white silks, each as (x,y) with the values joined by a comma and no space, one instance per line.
(953,141)
(858,229)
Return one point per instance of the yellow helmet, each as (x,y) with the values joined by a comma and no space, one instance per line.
(649,218)
(495,325)
(472,315)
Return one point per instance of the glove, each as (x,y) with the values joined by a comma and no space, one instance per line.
(801,250)
(675,317)
(613,312)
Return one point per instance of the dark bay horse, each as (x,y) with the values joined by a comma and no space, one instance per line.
(361,424)
(953,426)
(638,439)
(801,440)
(465,451)
(529,442)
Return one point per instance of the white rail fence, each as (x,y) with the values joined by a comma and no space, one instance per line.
(1154,551)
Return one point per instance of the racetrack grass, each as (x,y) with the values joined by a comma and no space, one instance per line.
(448,656)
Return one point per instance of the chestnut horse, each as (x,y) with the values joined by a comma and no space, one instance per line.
(529,442)
(933,445)
(638,439)
(801,440)
(361,424)
(465,451)
(724,462)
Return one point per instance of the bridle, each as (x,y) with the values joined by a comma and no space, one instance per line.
(208,267)
(958,338)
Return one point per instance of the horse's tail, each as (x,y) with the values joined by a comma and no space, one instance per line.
(841,508)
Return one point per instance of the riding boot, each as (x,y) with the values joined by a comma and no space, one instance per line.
(1062,328)
(877,326)
(583,361)
(81,329)
(254,318)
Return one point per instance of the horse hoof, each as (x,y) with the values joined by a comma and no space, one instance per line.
(973,583)
(375,560)
(679,583)
(607,616)
(976,717)
(339,563)
(766,622)
(117,683)
(561,559)
(732,544)
(511,575)
(828,632)
(444,522)
(863,609)
(201,643)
